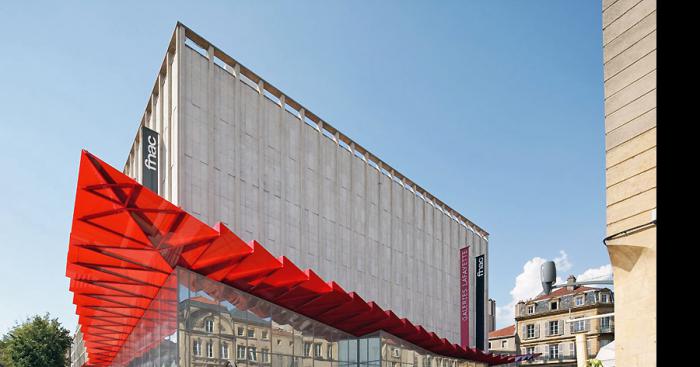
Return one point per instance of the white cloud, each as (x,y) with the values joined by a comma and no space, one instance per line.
(528,284)
(562,262)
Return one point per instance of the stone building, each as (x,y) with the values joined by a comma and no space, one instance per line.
(548,324)
(629,64)
(504,340)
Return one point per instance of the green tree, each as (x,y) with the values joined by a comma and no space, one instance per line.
(37,342)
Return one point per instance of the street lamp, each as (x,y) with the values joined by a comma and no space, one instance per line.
(548,275)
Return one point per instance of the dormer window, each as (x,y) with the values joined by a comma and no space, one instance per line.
(209,325)
(530,309)
(604,297)
(554,305)
(579,300)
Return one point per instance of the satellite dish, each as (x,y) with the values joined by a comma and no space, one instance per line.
(548,275)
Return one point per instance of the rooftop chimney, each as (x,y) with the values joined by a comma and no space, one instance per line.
(570,283)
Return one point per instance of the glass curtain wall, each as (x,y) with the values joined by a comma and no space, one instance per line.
(153,341)
(219,325)
(197,322)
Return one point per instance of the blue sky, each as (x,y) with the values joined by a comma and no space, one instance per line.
(494,106)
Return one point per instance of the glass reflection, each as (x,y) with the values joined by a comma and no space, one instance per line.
(195,321)
(153,342)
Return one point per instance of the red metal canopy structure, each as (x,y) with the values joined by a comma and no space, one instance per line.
(126,240)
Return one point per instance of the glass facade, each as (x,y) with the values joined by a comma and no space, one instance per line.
(195,321)
(153,341)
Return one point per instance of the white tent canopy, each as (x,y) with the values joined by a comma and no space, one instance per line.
(606,355)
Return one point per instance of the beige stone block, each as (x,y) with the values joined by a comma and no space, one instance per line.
(636,220)
(630,187)
(616,10)
(635,311)
(628,76)
(631,206)
(631,130)
(629,56)
(608,3)
(630,111)
(630,93)
(630,148)
(628,168)
(630,37)
(627,20)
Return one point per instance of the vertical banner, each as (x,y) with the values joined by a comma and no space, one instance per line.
(149,154)
(480,322)
(464,296)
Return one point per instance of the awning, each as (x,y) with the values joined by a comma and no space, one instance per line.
(125,241)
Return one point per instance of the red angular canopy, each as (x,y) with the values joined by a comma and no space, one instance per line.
(126,240)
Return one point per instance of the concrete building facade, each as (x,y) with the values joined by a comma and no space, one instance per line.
(505,341)
(629,57)
(78,353)
(547,324)
(234,148)
(492,315)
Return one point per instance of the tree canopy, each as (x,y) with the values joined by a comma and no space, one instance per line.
(37,342)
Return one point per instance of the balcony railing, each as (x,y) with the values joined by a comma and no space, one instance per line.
(542,359)
(606,325)
(580,326)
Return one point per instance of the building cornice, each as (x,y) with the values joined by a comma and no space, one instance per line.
(565,311)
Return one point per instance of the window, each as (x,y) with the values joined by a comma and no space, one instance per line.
(554,351)
(554,327)
(578,326)
(317,350)
(329,351)
(210,350)
(490,345)
(224,350)
(572,349)
(264,335)
(209,325)
(307,349)
(604,297)
(251,333)
(251,354)
(589,348)
(197,348)
(395,352)
(240,331)
(530,331)
(530,309)
(530,350)
(504,344)
(240,352)
(554,305)
(605,324)
(579,301)
(265,355)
